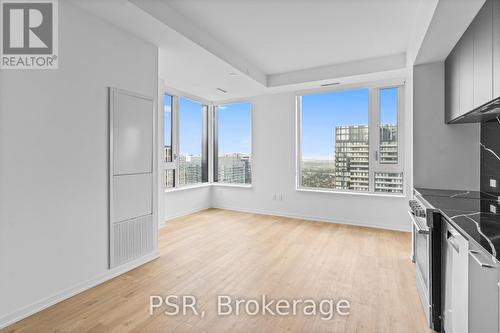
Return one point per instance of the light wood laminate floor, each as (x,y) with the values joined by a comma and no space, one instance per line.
(218,252)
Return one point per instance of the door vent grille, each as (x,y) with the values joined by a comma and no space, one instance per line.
(133,239)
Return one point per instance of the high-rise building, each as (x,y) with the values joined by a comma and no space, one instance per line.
(234,168)
(168,153)
(352,158)
(391,182)
(248,168)
(189,169)
(388,144)
(352,151)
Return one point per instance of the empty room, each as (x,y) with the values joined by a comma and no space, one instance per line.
(250,166)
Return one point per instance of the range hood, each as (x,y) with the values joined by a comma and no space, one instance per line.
(484,113)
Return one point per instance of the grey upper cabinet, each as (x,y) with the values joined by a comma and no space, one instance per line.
(452,86)
(496,48)
(472,69)
(467,65)
(483,55)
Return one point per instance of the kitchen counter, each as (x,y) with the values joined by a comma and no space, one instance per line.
(471,213)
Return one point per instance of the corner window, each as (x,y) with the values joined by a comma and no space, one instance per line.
(233,143)
(350,140)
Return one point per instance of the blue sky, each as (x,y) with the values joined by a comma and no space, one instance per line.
(321,113)
(235,130)
(167,119)
(388,106)
(190,121)
(234,126)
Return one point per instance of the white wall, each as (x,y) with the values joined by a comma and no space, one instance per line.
(445,156)
(54,160)
(273,171)
(186,201)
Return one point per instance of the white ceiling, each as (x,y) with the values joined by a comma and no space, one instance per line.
(283,45)
(287,35)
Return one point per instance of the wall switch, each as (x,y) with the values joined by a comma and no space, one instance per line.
(274,196)
(493,183)
(280,196)
(493,209)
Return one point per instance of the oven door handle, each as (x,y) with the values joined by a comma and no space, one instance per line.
(417,225)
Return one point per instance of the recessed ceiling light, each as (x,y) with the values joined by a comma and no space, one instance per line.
(233,74)
(330,84)
(222,90)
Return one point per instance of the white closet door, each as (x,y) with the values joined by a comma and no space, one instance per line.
(131,176)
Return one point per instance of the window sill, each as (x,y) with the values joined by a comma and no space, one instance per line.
(368,194)
(190,187)
(187,187)
(232,185)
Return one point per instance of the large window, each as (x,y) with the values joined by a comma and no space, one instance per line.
(186,141)
(233,143)
(349,140)
(388,143)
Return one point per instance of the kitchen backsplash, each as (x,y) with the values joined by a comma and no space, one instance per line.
(490,158)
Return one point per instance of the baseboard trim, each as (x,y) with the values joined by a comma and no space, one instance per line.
(18,315)
(181,214)
(314,218)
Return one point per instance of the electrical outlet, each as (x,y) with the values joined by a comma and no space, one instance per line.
(493,209)
(493,183)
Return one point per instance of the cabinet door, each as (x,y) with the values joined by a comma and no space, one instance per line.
(483,292)
(483,55)
(452,85)
(446,282)
(447,88)
(466,64)
(456,304)
(496,49)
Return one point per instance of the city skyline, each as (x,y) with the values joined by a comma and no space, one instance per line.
(350,169)
(339,161)
(232,168)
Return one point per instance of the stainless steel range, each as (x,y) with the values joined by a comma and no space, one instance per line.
(426,254)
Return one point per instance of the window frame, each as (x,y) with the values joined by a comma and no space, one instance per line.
(374,165)
(205,140)
(172,165)
(215,142)
(379,167)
